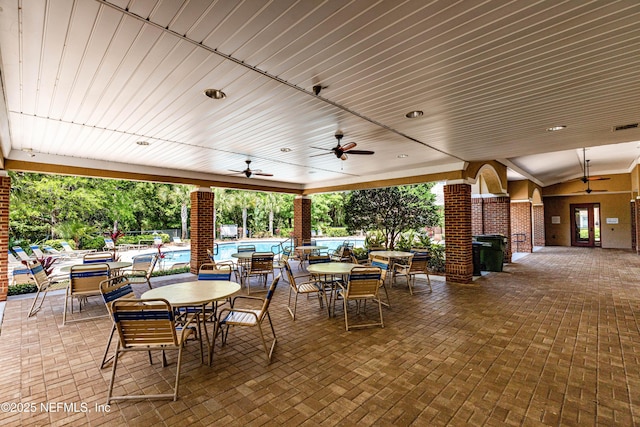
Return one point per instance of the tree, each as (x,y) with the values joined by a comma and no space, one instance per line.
(392,210)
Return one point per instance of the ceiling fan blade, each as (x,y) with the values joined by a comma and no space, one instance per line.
(596,178)
(361,152)
(344,156)
(262,173)
(320,148)
(348,146)
(321,154)
(231,170)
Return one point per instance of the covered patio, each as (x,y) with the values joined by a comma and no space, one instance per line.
(553,340)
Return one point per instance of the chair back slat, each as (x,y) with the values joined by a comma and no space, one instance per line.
(382,264)
(210,271)
(115,288)
(85,279)
(38,273)
(419,262)
(318,259)
(364,281)
(267,299)
(97,257)
(261,261)
(144,322)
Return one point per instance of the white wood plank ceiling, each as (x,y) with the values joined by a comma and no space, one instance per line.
(85,80)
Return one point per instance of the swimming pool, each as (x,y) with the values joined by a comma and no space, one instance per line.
(226,249)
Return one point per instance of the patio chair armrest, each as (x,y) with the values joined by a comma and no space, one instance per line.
(135,273)
(249,297)
(186,325)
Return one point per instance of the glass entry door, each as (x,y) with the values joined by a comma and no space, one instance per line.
(585,224)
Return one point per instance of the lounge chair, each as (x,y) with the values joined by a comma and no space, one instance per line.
(66,247)
(21,254)
(178,242)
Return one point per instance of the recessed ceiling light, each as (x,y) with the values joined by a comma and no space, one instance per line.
(215,93)
(285,150)
(142,142)
(402,156)
(555,128)
(414,114)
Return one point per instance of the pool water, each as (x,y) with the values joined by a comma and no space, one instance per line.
(225,250)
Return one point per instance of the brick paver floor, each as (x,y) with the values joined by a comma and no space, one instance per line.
(553,340)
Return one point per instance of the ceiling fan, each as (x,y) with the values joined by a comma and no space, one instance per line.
(585,178)
(249,173)
(340,151)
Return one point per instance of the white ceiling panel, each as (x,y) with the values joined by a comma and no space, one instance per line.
(85,80)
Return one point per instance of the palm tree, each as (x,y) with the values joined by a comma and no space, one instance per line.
(246,200)
(272,201)
(184,194)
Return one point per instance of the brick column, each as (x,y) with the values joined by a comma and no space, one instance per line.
(637,221)
(301,219)
(497,219)
(521,223)
(457,219)
(202,204)
(5,190)
(633,226)
(538,225)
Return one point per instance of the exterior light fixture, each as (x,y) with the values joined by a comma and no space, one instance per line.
(215,93)
(142,143)
(402,156)
(29,151)
(414,114)
(555,128)
(285,150)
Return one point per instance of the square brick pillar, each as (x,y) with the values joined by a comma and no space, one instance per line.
(497,219)
(637,228)
(633,226)
(521,224)
(457,220)
(202,204)
(5,190)
(301,219)
(538,225)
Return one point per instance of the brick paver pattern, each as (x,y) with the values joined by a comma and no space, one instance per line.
(552,340)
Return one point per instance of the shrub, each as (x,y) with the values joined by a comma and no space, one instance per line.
(21,288)
(171,271)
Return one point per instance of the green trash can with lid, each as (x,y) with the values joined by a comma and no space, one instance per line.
(492,251)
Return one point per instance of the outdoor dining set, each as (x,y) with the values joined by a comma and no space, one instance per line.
(165,317)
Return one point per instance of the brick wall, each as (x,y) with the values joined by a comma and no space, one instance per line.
(457,218)
(521,224)
(202,204)
(497,219)
(477,221)
(538,225)
(5,190)
(301,219)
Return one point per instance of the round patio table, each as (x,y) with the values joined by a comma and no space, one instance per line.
(391,254)
(332,269)
(113,265)
(193,294)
